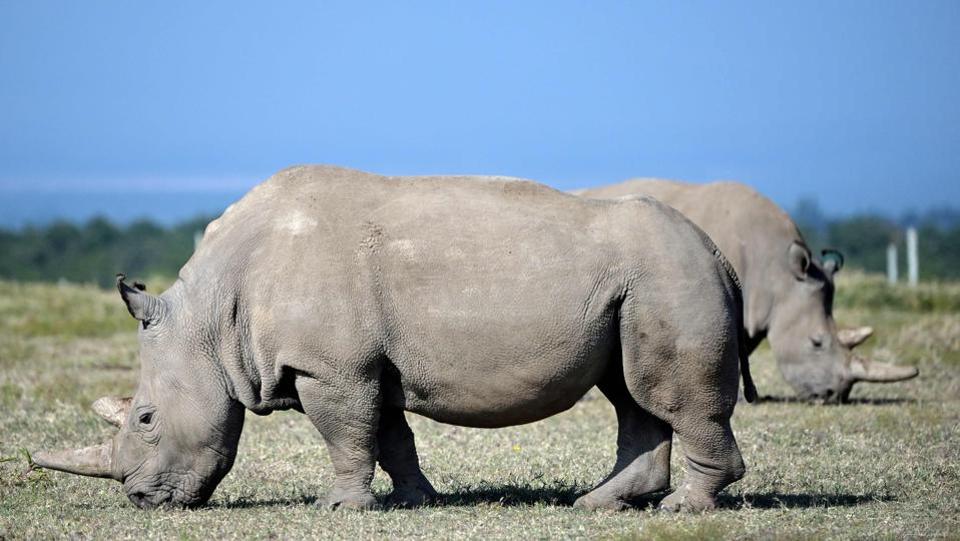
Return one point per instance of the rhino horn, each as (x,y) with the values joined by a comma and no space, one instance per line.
(141,305)
(95,461)
(852,338)
(866,370)
(113,409)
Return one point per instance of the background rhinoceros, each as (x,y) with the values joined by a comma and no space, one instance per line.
(352,297)
(788,293)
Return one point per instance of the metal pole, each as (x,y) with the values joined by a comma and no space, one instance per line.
(892,263)
(913,261)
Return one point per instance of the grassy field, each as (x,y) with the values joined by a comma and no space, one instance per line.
(885,466)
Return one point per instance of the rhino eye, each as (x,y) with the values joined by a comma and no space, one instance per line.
(817,341)
(146,418)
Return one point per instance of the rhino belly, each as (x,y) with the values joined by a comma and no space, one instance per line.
(508,377)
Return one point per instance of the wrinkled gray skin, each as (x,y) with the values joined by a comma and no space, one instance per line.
(491,302)
(788,293)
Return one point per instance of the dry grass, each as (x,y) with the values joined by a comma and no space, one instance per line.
(887,465)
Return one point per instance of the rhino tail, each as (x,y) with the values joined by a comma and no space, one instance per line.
(749,389)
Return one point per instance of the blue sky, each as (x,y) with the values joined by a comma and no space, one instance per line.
(853,102)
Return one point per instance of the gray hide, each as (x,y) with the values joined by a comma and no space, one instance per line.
(491,302)
(788,293)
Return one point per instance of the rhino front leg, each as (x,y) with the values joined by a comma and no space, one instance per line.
(398,457)
(346,416)
(643,454)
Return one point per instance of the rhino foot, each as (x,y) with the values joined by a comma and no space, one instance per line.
(688,500)
(342,499)
(412,495)
(592,502)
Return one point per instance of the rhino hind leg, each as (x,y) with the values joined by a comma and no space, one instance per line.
(687,374)
(643,453)
(346,417)
(398,457)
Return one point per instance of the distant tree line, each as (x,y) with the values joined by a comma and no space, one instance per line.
(96,250)
(863,238)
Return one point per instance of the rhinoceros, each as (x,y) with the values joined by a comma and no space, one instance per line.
(788,294)
(476,301)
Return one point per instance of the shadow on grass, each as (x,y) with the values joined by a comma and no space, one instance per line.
(512,495)
(503,495)
(882,401)
(769,399)
(244,503)
(563,495)
(776,500)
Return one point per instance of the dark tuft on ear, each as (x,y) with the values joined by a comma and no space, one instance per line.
(832,261)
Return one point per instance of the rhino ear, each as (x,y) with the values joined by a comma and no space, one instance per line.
(798,258)
(141,305)
(832,261)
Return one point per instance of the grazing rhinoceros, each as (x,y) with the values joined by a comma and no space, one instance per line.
(788,295)
(354,297)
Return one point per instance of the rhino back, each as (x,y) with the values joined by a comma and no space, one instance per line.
(734,215)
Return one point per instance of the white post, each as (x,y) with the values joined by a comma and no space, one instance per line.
(913,261)
(892,263)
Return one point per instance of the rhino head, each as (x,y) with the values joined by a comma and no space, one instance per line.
(816,358)
(178,434)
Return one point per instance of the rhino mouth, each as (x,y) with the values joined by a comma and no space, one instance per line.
(179,492)
(831,396)
(144,500)
(163,499)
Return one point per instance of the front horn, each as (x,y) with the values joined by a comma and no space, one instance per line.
(96,461)
(866,370)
